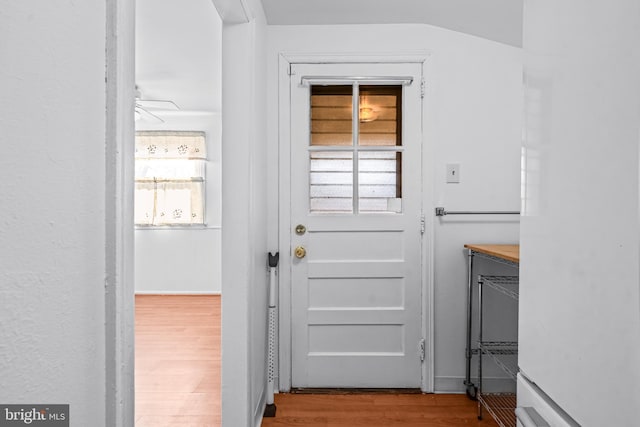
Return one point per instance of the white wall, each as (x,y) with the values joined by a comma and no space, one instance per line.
(178,57)
(244,214)
(52,215)
(580,319)
(472,117)
(175,261)
(260,194)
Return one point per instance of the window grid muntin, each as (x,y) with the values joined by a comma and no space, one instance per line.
(355,146)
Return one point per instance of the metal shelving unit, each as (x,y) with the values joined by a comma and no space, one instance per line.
(501,406)
(505,284)
(504,354)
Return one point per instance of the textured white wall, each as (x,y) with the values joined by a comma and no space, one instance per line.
(52,214)
(244,219)
(473,117)
(580,319)
(260,194)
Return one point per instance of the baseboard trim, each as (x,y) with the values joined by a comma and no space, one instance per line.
(341,391)
(260,407)
(455,385)
(178,293)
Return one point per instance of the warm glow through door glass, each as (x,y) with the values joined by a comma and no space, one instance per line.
(380,115)
(368,168)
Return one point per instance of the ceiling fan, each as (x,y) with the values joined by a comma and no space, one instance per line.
(143,106)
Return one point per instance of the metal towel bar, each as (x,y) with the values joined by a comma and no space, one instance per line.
(440,211)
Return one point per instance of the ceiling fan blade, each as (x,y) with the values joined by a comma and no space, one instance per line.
(160,104)
(144,111)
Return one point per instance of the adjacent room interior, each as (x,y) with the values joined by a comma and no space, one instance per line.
(178,212)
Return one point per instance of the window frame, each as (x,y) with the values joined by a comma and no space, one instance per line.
(356,91)
(195,153)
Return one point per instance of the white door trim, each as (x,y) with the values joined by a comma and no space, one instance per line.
(284,203)
(119,253)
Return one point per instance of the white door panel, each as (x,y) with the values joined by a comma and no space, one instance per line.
(356,294)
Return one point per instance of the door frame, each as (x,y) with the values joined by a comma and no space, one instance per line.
(119,239)
(285,61)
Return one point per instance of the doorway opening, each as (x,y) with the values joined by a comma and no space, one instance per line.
(177,211)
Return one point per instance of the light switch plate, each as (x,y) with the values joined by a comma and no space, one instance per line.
(453,173)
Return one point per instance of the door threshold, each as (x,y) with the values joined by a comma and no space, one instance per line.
(355,391)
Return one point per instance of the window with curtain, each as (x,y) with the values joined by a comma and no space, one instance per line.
(170,178)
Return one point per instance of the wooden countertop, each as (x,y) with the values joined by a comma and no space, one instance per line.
(508,252)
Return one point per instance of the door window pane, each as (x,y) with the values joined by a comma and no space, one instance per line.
(379,171)
(331,115)
(331,181)
(380,181)
(380,115)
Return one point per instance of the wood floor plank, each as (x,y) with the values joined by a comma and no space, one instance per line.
(179,420)
(178,361)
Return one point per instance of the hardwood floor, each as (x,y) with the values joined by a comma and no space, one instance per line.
(375,410)
(178,380)
(177,361)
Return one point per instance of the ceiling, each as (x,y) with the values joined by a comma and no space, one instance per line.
(498,20)
(178,51)
(179,43)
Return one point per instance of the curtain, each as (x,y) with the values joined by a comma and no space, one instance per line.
(170,145)
(170,178)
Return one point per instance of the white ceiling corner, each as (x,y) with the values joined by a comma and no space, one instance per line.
(498,20)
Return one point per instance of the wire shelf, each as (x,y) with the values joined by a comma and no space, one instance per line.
(504,354)
(496,259)
(501,406)
(507,285)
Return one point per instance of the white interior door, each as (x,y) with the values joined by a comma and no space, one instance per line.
(356,190)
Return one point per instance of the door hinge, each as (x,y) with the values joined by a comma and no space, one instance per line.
(422,224)
(421,349)
(422,88)
(290,70)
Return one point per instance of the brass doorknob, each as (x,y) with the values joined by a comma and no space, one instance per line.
(300,252)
